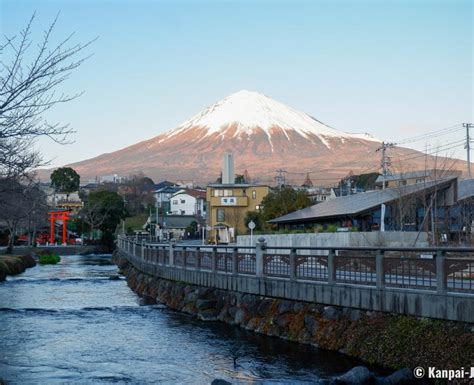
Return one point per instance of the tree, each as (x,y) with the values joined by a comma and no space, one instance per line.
(65,180)
(138,193)
(278,203)
(30,74)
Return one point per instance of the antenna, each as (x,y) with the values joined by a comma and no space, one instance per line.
(280,178)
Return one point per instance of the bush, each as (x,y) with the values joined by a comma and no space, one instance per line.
(49,259)
(331,229)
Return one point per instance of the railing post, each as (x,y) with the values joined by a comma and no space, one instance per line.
(214,259)
(440,272)
(379,275)
(185,257)
(261,246)
(171,252)
(143,249)
(293,264)
(235,261)
(331,267)
(198,258)
(134,249)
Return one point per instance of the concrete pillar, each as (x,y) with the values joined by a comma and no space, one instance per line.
(259,251)
(198,258)
(293,264)
(235,261)
(171,251)
(331,267)
(214,259)
(440,272)
(379,277)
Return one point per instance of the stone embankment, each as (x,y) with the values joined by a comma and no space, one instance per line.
(392,341)
(15,264)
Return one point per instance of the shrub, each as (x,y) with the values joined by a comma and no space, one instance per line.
(49,259)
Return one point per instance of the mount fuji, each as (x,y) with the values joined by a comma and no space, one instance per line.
(263,134)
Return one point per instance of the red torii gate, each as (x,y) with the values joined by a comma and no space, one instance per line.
(54,216)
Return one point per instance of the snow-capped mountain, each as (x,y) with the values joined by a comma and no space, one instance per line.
(264,135)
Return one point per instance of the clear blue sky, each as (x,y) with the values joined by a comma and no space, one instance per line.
(390,68)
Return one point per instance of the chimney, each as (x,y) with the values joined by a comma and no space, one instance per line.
(228,176)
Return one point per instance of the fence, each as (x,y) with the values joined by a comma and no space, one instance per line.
(431,282)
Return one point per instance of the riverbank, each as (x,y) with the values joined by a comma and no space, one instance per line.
(15,264)
(392,341)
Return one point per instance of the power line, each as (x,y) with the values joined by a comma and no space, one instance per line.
(434,134)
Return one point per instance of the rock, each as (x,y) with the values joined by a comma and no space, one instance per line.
(208,315)
(114,277)
(311,324)
(219,381)
(359,375)
(282,320)
(331,313)
(240,316)
(400,377)
(285,307)
(264,307)
(298,307)
(202,304)
(355,315)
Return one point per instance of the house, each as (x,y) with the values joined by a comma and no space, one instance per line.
(408,208)
(414,177)
(163,184)
(174,226)
(460,217)
(188,202)
(228,203)
(163,196)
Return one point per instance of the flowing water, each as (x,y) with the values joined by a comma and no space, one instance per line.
(69,323)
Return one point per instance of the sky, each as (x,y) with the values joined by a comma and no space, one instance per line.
(394,69)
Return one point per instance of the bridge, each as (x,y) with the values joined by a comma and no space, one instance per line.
(433,282)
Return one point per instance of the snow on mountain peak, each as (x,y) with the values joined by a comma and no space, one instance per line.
(250,110)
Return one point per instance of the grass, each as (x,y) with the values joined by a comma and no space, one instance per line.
(49,259)
(136,222)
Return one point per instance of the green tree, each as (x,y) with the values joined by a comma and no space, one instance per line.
(283,201)
(65,180)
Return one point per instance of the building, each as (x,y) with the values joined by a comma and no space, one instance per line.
(175,226)
(163,196)
(415,177)
(408,208)
(228,203)
(188,202)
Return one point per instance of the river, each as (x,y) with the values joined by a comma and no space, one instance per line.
(69,323)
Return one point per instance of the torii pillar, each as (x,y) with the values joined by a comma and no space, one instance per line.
(58,216)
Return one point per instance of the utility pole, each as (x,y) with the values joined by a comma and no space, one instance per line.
(468,147)
(385,164)
(280,178)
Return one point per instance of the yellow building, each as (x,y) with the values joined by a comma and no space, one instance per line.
(227,206)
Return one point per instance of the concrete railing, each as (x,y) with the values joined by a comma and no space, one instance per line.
(431,282)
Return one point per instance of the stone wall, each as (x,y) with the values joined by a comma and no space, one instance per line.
(389,340)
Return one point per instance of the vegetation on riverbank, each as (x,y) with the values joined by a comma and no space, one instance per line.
(49,259)
(14,264)
(392,341)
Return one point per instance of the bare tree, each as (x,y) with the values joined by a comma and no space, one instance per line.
(29,79)
(93,215)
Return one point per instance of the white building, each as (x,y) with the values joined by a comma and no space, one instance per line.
(188,202)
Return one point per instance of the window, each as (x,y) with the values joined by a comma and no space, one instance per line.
(420,180)
(254,194)
(222,193)
(220,217)
(175,201)
(183,201)
(402,182)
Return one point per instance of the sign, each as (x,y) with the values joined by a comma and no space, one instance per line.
(228,201)
(251,225)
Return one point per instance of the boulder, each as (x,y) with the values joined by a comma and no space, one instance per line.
(359,375)
(311,324)
(202,304)
(240,316)
(285,307)
(331,313)
(219,381)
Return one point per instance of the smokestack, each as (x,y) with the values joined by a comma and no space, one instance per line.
(228,176)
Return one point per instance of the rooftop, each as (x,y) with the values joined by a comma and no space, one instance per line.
(358,203)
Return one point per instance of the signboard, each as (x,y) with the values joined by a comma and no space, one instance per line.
(228,201)
(251,225)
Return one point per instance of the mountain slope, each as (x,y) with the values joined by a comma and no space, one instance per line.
(263,134)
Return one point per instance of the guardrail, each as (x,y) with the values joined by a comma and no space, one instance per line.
(440,270)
